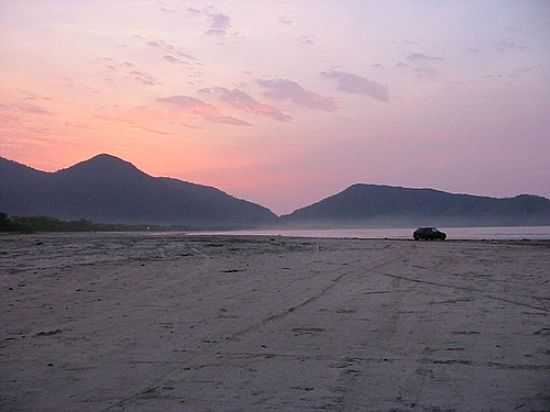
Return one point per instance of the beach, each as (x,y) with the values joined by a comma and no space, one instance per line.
(138,322)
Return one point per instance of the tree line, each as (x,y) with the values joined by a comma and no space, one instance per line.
(30,224)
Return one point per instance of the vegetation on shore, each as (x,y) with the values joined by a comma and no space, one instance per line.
(30,224)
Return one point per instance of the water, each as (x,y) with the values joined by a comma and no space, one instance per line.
(491,233)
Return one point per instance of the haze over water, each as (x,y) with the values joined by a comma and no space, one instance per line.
(456,233)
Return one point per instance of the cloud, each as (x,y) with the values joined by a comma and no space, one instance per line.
(171,59)
(193,11)
(29,96)
(285,20)
(493,76)
(426,73)
(229,120)
(202,109)
(525,69)
(423,69)
(153,43)
(423,58)
(127,70)
(25,108)
(186,55)
(219,24)
(131,124)
(509,45)
(144,78)
(153,131)
(288,90)
(169,49)
(33,109)
(521,71)
(355,84)
(240,100)
(188,103)
(307,40)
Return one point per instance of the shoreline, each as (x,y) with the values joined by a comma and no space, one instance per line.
(245,234)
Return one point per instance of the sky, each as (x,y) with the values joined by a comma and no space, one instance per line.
(284,102)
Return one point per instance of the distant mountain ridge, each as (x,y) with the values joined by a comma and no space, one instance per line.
(380,205)
(108,189)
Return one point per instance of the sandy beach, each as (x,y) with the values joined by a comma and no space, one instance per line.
(130,322)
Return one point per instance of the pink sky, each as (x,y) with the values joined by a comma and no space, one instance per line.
(284,102)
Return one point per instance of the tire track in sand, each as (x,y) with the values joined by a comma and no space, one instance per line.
(155,384)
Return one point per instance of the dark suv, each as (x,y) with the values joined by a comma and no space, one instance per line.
(429,233)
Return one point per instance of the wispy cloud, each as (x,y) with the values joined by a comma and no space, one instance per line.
(29,96)
(285,20)
(306,40)
(493,76)
(189,104)
(126,70)
(229,120)
(25,108)
(219,24)
(239,100)
(193,11)
(202,109)
(509,45)
(132,124)
(33,109)
(288,90)
(426,73)
(423,58)
(355,84)
(422,65)
(521,71)
(144,78)
(170,49)
(171,59)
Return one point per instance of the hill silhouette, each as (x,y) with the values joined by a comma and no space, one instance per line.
(378,205)
(108,189)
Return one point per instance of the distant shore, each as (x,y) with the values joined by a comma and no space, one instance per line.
(27,225)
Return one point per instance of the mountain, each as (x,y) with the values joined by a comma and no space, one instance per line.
(108,189)
(377,205)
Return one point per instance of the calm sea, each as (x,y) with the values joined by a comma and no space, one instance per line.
(493,233)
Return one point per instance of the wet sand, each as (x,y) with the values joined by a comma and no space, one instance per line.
(113,322)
